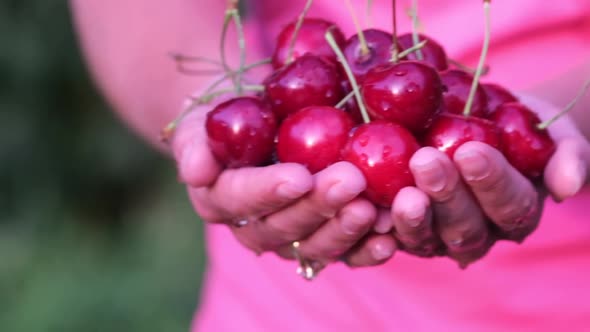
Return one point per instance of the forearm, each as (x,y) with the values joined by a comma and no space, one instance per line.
(126,45)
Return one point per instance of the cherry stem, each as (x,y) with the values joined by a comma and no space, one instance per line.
(418,23)
(204,99)
(296,31)
(178,57)
(351,78)
(482,58)
(344,100)
(226,20)
(415,27)
(567,108)
(363,41)
(468,69)
(412,49)
(242,45)
(394,50)
(169,129)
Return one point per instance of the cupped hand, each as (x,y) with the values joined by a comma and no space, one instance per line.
(270,207)
(461,207)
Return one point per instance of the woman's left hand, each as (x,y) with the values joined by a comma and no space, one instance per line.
(461,207)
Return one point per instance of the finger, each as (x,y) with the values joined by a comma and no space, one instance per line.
(506,196)
(374,249)
(384,223)
(334,187)
(567,170)
(197,167)
(412,217)
(340,233)
(459,221)
(251,192)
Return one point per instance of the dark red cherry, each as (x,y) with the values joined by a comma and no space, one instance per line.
(241,132)
(379,45)
(351,106)
(458,84)
(382,151)
(310,39)
(313,136)
(307,81)
(497,95)
(434,54)
(525,146)
(450,131)
(409,93)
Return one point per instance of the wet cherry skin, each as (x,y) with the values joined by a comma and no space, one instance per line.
(314,137)
(526,147)
(382,151)
(241,132)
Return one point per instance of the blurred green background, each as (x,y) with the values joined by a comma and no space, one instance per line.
(95,232)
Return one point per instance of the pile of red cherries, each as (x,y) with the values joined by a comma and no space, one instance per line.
(306,114)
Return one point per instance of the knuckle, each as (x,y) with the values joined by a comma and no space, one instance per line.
(449,191)
(470,241)
(282,232)
(497,180)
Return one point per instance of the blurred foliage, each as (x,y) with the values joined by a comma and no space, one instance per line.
(95,232)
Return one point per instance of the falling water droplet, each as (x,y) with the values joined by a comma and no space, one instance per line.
(412,87)
(386,151)
(364,158)
(364,140)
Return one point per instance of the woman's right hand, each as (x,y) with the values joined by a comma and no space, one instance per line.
(268,208)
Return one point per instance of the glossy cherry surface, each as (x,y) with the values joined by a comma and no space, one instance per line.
(458,84)
(310,40)
(241,132)
(382,151)
(497,95)
(409,93)
(433,53)
(314,137)
(308,81)
(379,44)
(525,146)
(450,131)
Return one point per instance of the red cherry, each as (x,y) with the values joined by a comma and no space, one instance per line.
(379,44)
(382,151)
(409,93)
(241,132)
(497,95)
(433,53)
(458,84)
(314,137)
(525,146)
(450,131)
(307,81)
(351,106)
(310,39)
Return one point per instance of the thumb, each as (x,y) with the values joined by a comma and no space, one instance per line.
(567,171)
(197,167)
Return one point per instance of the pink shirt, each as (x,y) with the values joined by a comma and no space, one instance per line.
(540,285)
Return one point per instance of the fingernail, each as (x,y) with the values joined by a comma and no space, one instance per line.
(351,224)
(292,190)
(382,251)
(432,174)
(474,165)
(457,243)
(414,216)
(344,191)
(384,224)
